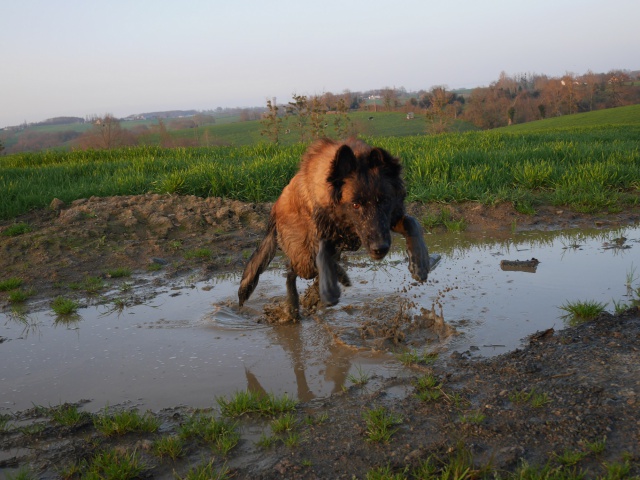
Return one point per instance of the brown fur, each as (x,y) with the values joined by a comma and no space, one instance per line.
(345,195)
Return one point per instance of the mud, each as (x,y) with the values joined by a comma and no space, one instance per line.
(588,373)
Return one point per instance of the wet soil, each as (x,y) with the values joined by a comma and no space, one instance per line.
(587,377)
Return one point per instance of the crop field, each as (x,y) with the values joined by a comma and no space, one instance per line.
(587,168)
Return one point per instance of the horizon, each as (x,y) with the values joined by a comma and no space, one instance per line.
(121,58)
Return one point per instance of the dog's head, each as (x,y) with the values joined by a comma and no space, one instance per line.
(367,191)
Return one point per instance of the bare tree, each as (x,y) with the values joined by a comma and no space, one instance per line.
(341,121)
(271,122)
(389,98)
(107,133)
(299,109)
(441,112)
(317,117)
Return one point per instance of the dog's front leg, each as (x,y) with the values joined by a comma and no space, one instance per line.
(327,273)
(416,248)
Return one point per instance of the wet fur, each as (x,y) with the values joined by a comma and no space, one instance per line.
(344,196)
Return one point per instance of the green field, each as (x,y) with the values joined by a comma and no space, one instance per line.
(613,116)
(588,168)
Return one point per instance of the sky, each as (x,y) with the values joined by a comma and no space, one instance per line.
(80,58)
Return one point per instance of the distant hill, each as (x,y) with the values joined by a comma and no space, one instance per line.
(629,115)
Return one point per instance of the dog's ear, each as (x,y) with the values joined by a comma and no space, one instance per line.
(342,165)
(388,164)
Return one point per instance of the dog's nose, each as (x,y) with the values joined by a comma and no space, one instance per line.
(379,251)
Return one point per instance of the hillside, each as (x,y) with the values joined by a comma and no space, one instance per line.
(629,115)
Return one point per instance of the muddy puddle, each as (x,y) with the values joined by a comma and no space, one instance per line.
(190,343)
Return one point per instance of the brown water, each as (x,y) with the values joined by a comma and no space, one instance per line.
(190,344)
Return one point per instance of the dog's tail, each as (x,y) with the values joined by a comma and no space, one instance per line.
(260,259)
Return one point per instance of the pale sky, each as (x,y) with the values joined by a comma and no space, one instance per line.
(77,58)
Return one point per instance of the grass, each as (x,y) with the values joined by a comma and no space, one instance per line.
(123,422)
(428,388)
(588,168)
(168,446)
(206,472)
(379,424)
(21,295)
(9,284)
(114,464)
(581,311)
(360,378)
(248,402)
(198,253)
(221,435)
(119,272)
(68,415)
(16,229)
(64,306)
(413,357)
(532,397)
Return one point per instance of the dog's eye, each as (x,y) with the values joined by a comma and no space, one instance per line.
(355,206)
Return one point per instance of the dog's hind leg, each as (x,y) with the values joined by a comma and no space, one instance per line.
(416,248)
(293,300)
(329,273)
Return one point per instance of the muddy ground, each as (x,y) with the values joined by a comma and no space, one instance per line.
(588,377)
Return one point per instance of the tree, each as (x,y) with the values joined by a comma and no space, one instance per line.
(341,121)
(389,98)
(106,133)
(299,108)
(1,147)
(271,122)
(440,112)
(317,114)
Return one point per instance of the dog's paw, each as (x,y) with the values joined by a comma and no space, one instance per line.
(419,264)
(329,293)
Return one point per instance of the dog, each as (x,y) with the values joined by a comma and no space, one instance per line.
(345,196)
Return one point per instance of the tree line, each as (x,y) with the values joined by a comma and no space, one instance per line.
(510,99)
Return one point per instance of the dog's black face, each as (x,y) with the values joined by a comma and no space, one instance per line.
(369,195)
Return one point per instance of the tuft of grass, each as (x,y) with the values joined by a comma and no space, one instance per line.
(312,420)
(21,295)
(581,311)
(9,284)
(292,440)
(386,473)
(119,272)
(266,441)
(16,229)
(115,464)
(413,357)
(206,472)
(379,424)
(284,423)
(23,474)
(221,435)
(246,401)
(569,457)
(473,418)
(126,421)
(428,388)
(4,422)
(64,306)
(361,378)
(68,415)
(597,446)
(169,446)
(198,253)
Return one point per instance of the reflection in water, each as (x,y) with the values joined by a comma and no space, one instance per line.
(193,344)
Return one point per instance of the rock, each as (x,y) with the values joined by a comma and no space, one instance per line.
(56,205)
